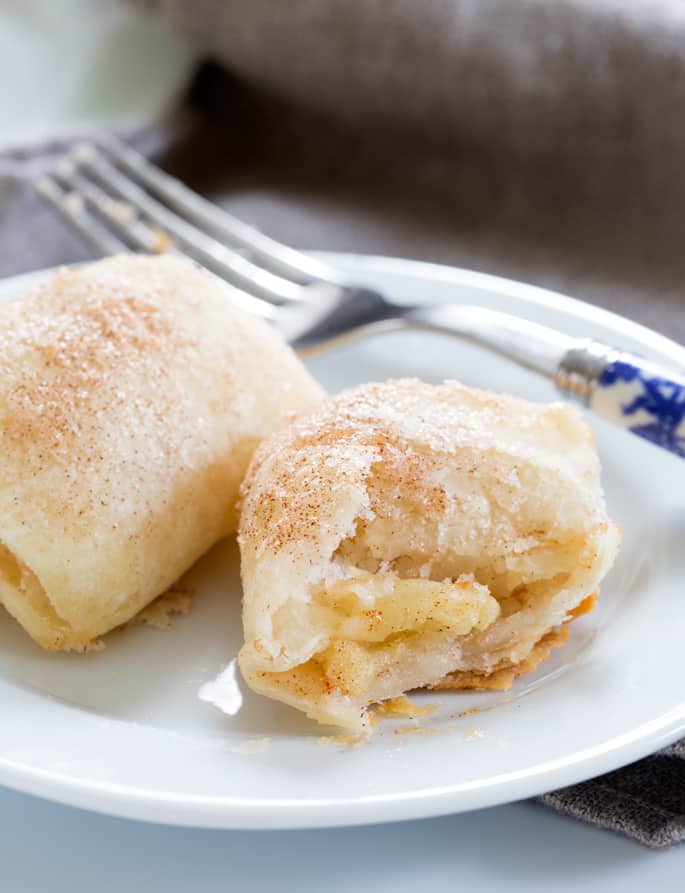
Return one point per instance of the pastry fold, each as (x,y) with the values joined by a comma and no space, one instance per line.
(133,393)
(406,535)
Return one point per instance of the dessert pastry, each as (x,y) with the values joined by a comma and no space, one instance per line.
(403,534)
(132,395)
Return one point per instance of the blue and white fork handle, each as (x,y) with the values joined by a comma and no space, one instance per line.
(636,394)
(630,391)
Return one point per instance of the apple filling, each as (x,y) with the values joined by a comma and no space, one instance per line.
(373,618)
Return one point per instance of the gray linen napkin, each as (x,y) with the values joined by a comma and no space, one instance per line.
(559,125)
(316,181)
(645,801)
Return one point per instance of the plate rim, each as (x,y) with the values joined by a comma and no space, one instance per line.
(537,294)
(245,813)
(201,811)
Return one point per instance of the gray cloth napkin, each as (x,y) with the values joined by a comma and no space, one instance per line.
(645,801)
(550,131)
(580,191)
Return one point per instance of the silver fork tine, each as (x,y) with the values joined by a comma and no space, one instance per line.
(272,255)
(127,224)
(71,206)
(224,261)
(122,218)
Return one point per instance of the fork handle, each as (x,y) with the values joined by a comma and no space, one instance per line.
(636,394)
(626,389)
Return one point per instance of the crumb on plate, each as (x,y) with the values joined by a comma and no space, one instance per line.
(404,706)
(176,600)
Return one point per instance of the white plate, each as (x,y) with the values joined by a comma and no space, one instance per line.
(124,732)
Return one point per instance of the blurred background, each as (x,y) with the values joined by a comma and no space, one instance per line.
(541,140)
(71,62)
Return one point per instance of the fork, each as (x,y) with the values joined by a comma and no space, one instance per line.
(118,201)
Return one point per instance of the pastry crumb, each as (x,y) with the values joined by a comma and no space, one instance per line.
(404,706)
(473,733)
(415,730)
(350,740)
(176,600)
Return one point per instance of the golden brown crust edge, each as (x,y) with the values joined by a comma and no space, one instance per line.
(503,676)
